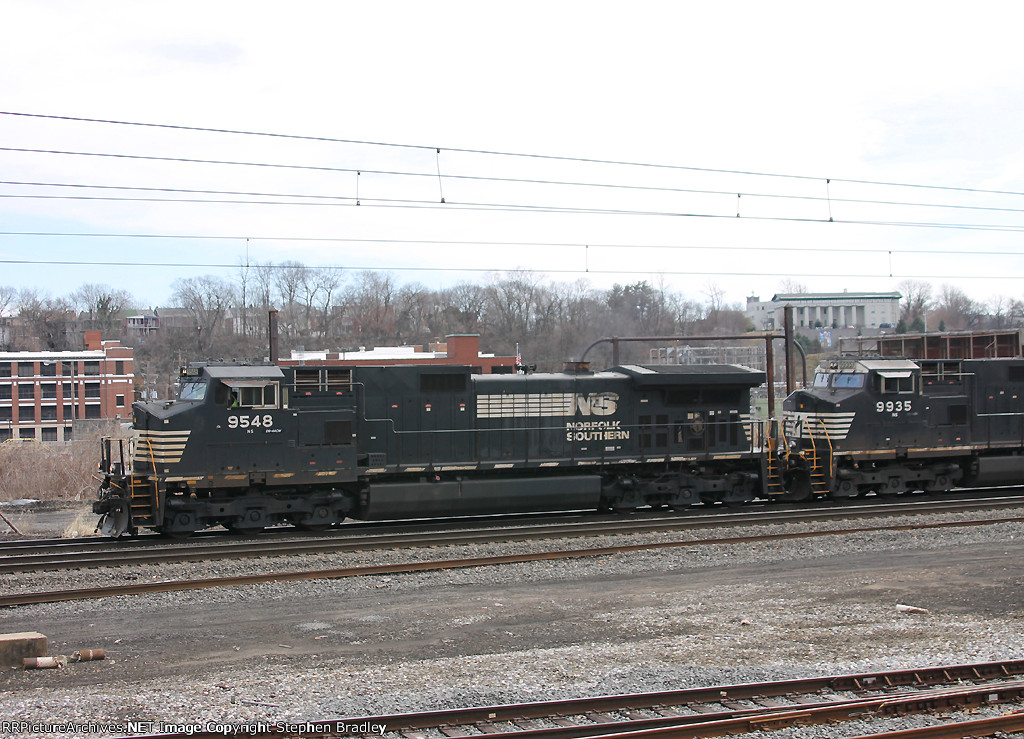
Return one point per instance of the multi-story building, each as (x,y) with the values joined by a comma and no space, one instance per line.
(45,395)
(826,310)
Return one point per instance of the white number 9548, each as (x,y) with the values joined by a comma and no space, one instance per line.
(244,422)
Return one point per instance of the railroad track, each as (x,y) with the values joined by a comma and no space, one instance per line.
(29,556)
(160,586)
(717,711)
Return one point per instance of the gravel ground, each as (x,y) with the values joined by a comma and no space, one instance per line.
(653,620)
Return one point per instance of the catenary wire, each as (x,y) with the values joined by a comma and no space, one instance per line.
(564,244)
(493,270)
(587,160)
(694,191)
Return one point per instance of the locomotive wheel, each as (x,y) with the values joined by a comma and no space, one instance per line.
(319,520)
(798,489)
(253,522)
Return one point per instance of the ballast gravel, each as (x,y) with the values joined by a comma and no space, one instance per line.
(658,619)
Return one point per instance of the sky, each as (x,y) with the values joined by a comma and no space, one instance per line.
(741,148)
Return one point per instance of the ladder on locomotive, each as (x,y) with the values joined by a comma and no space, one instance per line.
(142,493)
(820,462)
(773,484)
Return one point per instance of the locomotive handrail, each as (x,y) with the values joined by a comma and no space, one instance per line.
(831,449)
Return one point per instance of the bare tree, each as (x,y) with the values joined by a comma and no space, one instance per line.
(288,279)
(102,306)
(371,302)
(8,297)
(789,286)
(207,299)
(955,310)
(917,296)
(511,307)
(46,321)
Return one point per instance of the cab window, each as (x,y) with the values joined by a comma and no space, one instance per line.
(192,391)
(896,384)
(848,380)
(248,395)
(821,379)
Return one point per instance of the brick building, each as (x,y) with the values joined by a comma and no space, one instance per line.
(463,349)
(45,395)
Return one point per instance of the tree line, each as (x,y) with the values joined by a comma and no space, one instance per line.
(213,317)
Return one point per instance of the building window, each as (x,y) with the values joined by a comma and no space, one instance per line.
(92,411)
(91,368)
(49,434)
(5,413)
(48,391)
(5,369)
(5,392)
(26,391)
(68,413)
(48,369)
(27,413)
(48,413)
(26,433)
(92,390)
(119,401)
(67,369)
(5,434)
(26,369)
(119,367)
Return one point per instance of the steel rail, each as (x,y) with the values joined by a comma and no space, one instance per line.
(690,518)
(116,556)
(733,721)
(458,563)
(877,694)
(852,683)
(1012,722)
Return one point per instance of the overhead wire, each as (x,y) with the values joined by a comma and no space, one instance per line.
(481,270)
(482,242)
(285,199)
(487,152)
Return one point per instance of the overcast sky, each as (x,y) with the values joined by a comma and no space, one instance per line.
(850,101)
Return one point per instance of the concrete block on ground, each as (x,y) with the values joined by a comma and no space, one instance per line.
(15,647)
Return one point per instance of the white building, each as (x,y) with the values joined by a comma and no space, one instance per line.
(826,310)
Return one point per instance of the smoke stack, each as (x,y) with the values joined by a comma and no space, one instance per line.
(272,332)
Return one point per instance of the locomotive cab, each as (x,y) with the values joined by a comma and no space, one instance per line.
(874,425)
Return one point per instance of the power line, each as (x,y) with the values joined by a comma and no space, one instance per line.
(486,152)
(491,270)
(560,244)
(522,208)
(696,191)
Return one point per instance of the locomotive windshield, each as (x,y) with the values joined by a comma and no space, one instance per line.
(839,380)
(192,390)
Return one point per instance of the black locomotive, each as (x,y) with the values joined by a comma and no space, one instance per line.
(889,425)
(248,446)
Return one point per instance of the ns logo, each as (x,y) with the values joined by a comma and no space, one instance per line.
(596,404)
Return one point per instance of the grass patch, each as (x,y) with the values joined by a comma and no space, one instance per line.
(63,471)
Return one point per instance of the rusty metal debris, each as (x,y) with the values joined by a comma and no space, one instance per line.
(50,663)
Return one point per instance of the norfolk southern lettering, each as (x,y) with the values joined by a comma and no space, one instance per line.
(595,431)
